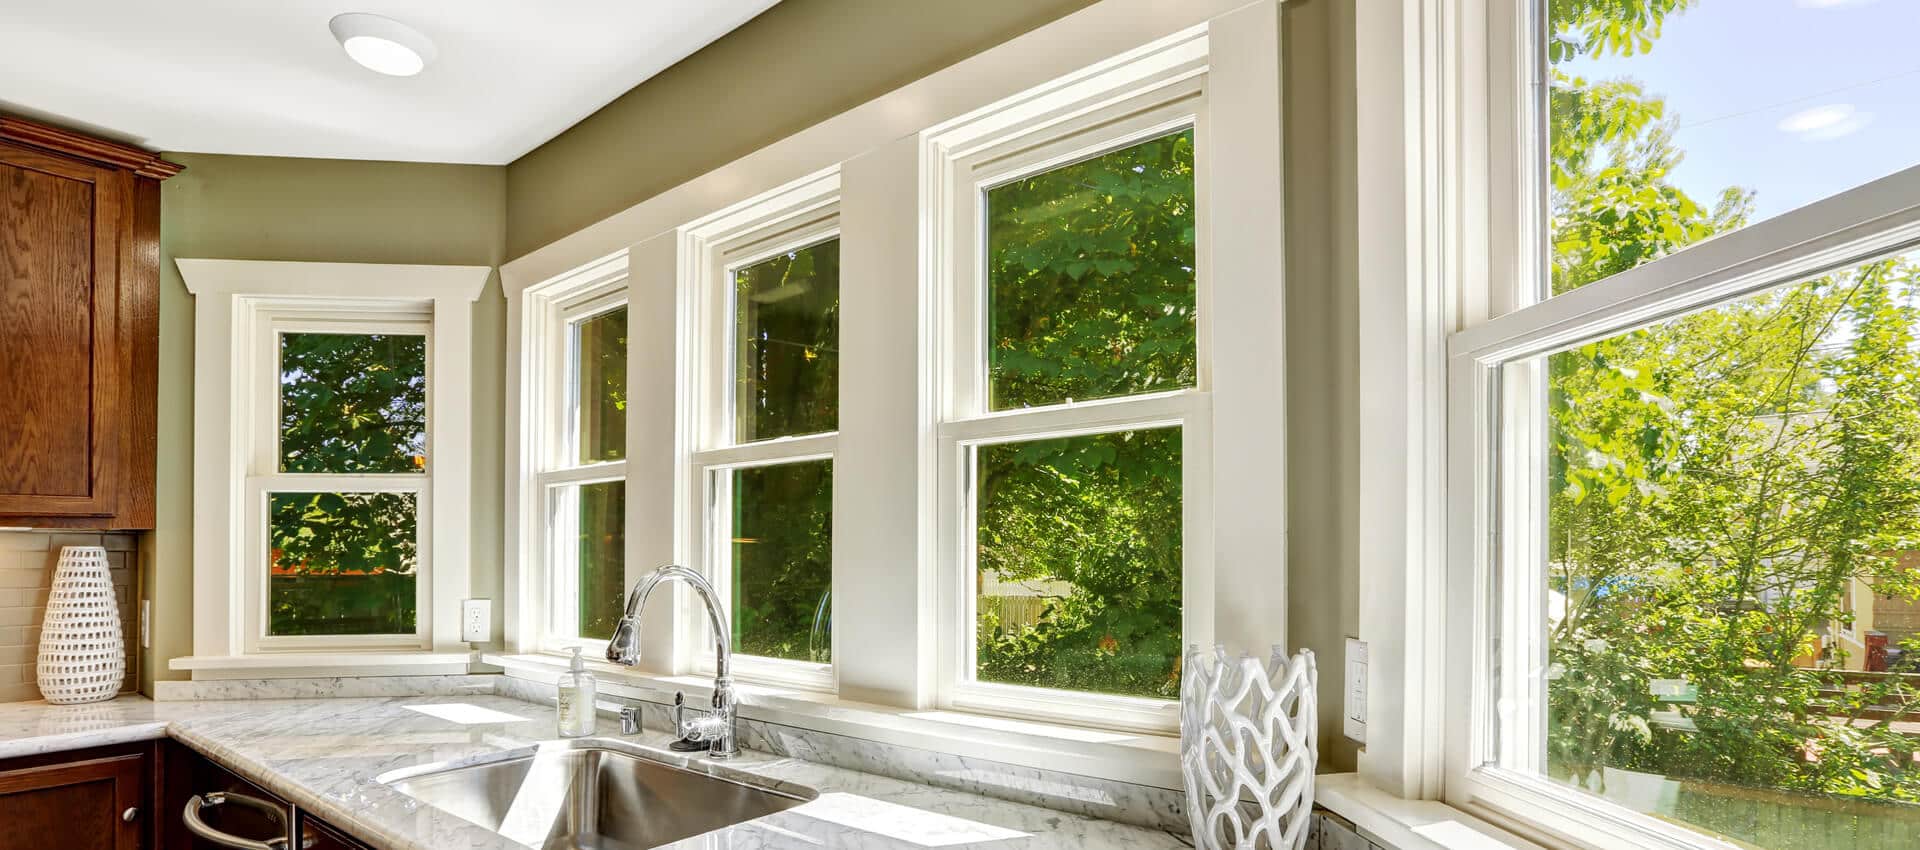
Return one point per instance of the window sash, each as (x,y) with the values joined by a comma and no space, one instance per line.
(959,617)
(1496,466)
(559,395)
(1157,111)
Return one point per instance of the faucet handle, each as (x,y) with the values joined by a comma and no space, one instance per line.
(629,720)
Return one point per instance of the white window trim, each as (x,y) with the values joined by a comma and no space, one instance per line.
(886,495)
(1148,95)
(271,320)
(540,401)
(560,309)
(712,249)
(234,302)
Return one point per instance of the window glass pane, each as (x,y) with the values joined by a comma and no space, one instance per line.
(787,329)
(342,563)
(1673,121)
(1080,564)
(601,553)
(1732,623)
(1090,278)
(783,560)
(353,403)
(601,358)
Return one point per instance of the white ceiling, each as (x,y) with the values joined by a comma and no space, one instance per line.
(266,77)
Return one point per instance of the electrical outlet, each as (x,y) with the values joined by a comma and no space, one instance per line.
(1354,706)
(476,620)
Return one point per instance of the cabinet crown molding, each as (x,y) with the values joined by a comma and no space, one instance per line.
(142,162)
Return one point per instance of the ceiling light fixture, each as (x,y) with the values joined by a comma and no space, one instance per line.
(383,44)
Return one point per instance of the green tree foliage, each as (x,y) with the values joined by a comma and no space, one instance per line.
(1091,294)
(1719,481)
(344,563)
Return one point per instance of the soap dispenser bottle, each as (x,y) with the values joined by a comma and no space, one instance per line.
(577,693)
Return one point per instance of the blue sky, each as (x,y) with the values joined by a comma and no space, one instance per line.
(1795,99)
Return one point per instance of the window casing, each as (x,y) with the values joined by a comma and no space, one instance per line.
(408,331)
(746,439)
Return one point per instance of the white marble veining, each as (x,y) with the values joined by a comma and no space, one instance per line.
(322,687)
(325,754)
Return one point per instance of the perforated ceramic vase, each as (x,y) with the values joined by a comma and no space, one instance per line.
(1247,748)
(83,656)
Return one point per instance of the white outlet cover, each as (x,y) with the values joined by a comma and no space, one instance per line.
(476,620)
(1353,714)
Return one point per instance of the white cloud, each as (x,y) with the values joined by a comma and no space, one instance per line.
(1825,123)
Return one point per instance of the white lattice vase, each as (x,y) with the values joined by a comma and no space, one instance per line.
(83,656)
(1247,746)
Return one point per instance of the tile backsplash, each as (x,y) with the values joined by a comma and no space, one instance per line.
(27,560)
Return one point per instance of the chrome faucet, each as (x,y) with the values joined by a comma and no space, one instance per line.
(714,728)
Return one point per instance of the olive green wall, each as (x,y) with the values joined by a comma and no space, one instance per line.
(273,208)
(795,65)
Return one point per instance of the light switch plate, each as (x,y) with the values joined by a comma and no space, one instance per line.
(476,620)
(1354,707)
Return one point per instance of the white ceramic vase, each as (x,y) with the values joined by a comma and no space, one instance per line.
(83,654)
(1248,732)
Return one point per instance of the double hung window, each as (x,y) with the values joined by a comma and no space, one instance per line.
(766,425)
(1074,391)
(1686,482)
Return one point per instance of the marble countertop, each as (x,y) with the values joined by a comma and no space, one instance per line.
(326,754)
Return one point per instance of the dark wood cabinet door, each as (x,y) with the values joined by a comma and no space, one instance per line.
(94,804)
(316,834)
(60,348)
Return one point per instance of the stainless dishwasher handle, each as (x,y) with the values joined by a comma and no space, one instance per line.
(220,798)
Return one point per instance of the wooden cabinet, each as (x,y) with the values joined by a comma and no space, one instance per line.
(231,808)
(96,799)
(79,328)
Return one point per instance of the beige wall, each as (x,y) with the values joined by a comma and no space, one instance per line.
(795,65)
(272,208)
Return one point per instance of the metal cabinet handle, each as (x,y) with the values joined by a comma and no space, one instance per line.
(220,798)
(130,814)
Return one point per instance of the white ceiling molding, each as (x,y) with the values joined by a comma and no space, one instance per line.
(246,77)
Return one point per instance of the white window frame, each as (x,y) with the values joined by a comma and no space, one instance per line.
(1451,238)
(712,250)
(240,307)
(264,476)
(559,469)
(1138,102)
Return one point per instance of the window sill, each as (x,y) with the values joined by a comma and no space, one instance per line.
(1121,756)
(282,665)
(1410,824)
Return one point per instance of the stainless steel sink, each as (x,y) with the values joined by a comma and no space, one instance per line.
(599,793)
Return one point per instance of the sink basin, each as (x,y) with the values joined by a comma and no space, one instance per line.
(599,793)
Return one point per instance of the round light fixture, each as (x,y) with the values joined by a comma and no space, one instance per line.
(383,44)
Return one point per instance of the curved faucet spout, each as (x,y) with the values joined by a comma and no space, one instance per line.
(624,647)
(715,729)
